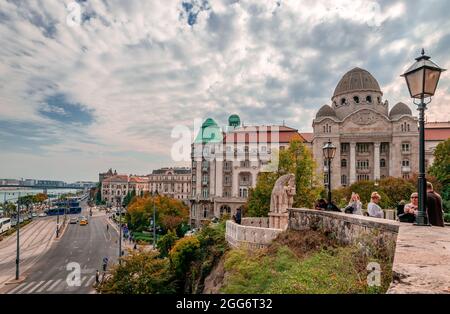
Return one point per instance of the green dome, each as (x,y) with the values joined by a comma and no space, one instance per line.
(210,132)
(234,120)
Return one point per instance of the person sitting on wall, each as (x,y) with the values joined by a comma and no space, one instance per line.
(354,206)
(321,204)
(373,208)
(410,209)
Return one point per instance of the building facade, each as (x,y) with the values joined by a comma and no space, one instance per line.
(435,133)
(114,188)
(226,163)
(172,182)
(372,141)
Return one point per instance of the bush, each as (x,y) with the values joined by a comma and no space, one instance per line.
(166,242)
(183,253)
(140,273)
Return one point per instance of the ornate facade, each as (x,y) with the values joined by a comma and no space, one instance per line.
(173,182)
(372,142)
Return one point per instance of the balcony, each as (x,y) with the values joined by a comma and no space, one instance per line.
(406,169)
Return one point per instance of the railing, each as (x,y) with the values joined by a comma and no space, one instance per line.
(253,237)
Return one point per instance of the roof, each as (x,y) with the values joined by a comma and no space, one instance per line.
(263,134)
(307,136)
(400,109)
(437,125)
(117,178)
(138,180)
(435,134)
(174,170)
(325,111)
(356,80)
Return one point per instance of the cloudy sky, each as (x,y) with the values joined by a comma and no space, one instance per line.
(89,85)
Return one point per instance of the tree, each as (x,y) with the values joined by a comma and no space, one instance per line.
(297,159)
(183,254)
(441,170)
(170,213)
(166,242)
(140,273)
(129,197)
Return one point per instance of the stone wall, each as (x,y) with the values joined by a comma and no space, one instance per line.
(262,222)
(348,229)
(252,237)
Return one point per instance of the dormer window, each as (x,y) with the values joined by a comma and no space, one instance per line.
(369,99)
(356,99)
(343,101)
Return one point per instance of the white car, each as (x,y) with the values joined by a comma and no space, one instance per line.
(42,215)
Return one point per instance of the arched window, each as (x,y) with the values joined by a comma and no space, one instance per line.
(343,179)
(402,127)
(343,101)
(369,98)
(382,163)
(356,99)
(408,127)
(344,163)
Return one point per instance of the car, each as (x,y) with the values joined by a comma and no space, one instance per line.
(73,220)
(42,215)
(83,222)
(33,215)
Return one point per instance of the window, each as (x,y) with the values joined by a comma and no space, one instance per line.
(205,212)
(205,193)
(405,163)
(343,179)
(369,99)
(382,163)
(227,180)
(362,148)
(356,99)
(327,128)
(243,192)
(362,164)
(344,147)
(405,147)
(343,101)
(344,163)
(379,99)
(405,176)
(384,148)
(363,177)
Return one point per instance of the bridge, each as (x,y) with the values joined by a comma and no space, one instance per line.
(43,187)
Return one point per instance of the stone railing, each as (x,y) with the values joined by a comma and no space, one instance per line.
(262,222)
(252,237)
(347,229)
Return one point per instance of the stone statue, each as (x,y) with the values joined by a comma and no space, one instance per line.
(282,194)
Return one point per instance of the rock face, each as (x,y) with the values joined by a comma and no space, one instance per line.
(281,199)
(215,279)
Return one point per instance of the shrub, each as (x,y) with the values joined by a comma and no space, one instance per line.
(183,253)
(166,242)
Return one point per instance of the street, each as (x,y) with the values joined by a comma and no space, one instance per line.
(86,245)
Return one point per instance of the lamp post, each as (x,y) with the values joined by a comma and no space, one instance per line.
(154,220)
(329,150)
(120,229)
(18,238)
(422,79)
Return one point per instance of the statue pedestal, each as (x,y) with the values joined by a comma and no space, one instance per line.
(278,220)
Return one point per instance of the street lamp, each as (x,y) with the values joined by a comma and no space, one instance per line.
(422,79)
(329,150)
(120,228)
(154,220)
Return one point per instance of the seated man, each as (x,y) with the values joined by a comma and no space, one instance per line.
(321,204)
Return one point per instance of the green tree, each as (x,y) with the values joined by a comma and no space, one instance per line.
(140,273)
(297,159)
(129,197)
(166,242)
(441,170)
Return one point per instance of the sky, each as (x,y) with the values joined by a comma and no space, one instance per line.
(90,85)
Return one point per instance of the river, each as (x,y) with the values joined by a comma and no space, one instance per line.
(13,194)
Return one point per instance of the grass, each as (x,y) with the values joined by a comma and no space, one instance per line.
(308,266)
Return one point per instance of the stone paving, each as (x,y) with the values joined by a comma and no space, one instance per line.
(422,260)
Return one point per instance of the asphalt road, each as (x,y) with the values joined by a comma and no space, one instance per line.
(86,246)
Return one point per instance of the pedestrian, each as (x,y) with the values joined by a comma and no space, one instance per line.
(238,216)
(107,227)
(135,247)
(410,210)
(354,206)
(373,208)
(434,207)
(97,277)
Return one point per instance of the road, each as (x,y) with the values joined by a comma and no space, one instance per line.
(85,245)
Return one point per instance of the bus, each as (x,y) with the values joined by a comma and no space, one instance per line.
(5,224)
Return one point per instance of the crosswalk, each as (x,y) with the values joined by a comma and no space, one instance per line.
(51,286)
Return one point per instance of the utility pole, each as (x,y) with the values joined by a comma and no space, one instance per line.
(120,230)
(18,239)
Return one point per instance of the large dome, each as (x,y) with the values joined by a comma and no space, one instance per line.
(356,80)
